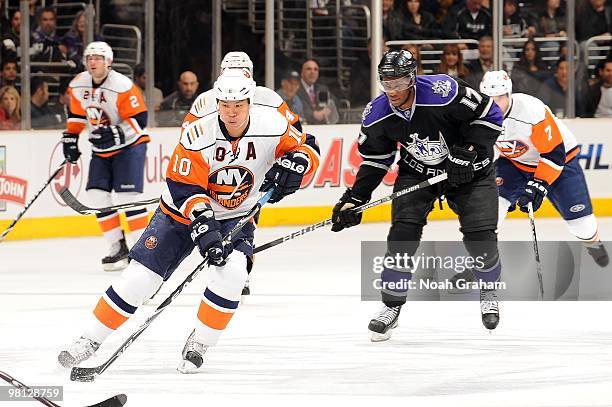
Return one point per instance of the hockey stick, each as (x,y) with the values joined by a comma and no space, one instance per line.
(88,374)
(291,236)
(115,401)
(534,237)
(75,204)
(12,225)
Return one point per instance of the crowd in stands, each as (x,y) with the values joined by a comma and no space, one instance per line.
(319,100)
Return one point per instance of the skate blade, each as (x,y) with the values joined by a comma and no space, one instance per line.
(186,367)
(376,337)
(66,360)
(118,266)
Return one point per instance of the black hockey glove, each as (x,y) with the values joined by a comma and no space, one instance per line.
(70,144)
(342,215)
(459,166)
(286,175)
(534,192)
(206,234)
(107,137)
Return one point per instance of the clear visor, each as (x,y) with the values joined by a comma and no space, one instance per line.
(398,84)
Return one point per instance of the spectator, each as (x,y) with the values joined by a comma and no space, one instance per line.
(442,11)
(593,18)
(551,21)
(471,21)
(10,39)
(45,43)
(319,103)
(452,62)
(140,80)
(10,109)
(419,24)
(74,39)
(553,92)
(530,71)
(42,116)
(599,100)
(290,83)
(360,77)
(393,21)
(484,63)
(415,50)
(514,24)
(177,104)
(8,73)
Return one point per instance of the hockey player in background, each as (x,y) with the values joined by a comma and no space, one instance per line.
(110,108)
(537,160)
(441,125)
(206,104)
(215,173)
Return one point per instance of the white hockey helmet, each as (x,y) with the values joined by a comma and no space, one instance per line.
(237,59)
(496,83)
(233,85)
(98,48)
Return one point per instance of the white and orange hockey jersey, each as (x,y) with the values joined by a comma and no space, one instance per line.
(534,139)
(208,166)
(116,101)
(206,104)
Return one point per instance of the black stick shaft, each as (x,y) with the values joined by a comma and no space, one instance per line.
(310,228)
(14,222)
(536,249)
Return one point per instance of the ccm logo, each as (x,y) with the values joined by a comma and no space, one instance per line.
(298,168)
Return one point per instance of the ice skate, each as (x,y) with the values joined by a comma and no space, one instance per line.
(599,254)
(381,325)
(118,259)
(79,351)
(489,308)
(193,355)
(467,276)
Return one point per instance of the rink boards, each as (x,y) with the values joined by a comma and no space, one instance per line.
(28,158)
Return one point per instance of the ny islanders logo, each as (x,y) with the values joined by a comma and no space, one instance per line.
(429,152)
(97,117)
(230,186)
(512,148)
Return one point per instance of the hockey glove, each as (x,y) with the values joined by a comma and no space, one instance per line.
(343,216)
(534,192)
(206,234)
(286,175)
(70,144)
(107,137)
(459,166)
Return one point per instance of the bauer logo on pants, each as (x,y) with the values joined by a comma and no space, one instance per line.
(12,189)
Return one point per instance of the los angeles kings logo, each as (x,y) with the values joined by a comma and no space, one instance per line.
(230,186)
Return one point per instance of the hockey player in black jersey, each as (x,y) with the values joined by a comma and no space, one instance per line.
(440,125)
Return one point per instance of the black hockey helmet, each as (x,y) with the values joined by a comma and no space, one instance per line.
(397,64)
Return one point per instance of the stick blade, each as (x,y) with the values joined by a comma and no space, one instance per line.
(83,374)
(72,202)
(115,401)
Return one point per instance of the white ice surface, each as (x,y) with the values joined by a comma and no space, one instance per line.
(302,338)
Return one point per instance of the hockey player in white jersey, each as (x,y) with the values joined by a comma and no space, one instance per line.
(215,176)
(537,160)
(109,108)
(206,104)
